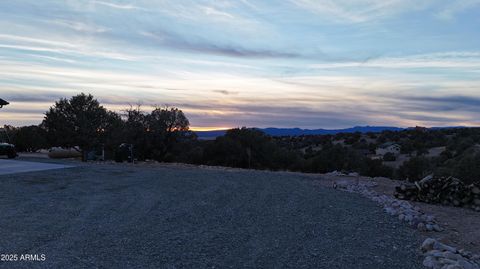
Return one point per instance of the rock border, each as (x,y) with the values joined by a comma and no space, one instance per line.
(441,256)
(437,255)
(404,210)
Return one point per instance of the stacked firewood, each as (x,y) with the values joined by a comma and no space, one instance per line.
(443,190)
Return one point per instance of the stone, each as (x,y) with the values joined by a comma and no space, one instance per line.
(466,254)
(427,245)
(421,226)
(437,228)
(430,262)
(391,211)
(446,261)
(453,266)
(439,246)
(451,255)
(435,253)
(466,265)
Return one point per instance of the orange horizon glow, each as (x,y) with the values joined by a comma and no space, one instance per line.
(204,128)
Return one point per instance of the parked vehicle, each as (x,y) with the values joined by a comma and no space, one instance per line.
(8,149)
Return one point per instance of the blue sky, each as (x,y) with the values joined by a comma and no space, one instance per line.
(229,63)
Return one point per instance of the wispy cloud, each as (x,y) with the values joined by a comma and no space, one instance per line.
(116,5)
(357,11)
(177,42)
(210,11)
(456,7)
(345,11)
(60,47)
(79,26)
(466,59)
(29,40)
(226,92)
(439,103)
(207,11)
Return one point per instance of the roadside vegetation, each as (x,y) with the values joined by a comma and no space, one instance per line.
(163,134)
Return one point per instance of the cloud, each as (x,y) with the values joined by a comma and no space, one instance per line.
(29,40)
(439,103)
(80,26)
(258,114)
(248,63)
(209,11)
(33,97)
(465,59)
(177,42)
(50,58)
(456,7)
(346,11)
(249,4)
(40,45)
(116,6)
(225,92)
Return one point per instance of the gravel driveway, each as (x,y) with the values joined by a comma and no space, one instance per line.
(114,216)
(14,166)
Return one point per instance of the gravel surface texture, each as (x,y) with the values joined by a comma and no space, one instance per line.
(15,166)
(121,216)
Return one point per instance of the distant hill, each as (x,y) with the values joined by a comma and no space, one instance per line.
(297,131)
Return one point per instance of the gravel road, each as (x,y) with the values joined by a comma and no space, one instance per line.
(120,216)
(14,166)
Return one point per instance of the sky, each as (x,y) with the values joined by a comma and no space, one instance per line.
(230,63)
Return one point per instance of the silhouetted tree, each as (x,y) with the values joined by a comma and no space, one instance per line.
(165,127)
(30,138)
(334,157)
(111,137)
(415,169)
(468,168)
(242,147)
(79,121)
(375,168)
(134,132)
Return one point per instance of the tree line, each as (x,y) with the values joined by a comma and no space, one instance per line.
(163,134)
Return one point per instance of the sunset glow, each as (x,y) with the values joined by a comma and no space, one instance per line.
(209,128)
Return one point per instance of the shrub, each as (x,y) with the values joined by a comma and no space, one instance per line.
(375,168)
(414,169)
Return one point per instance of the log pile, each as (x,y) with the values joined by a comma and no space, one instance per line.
(443,190)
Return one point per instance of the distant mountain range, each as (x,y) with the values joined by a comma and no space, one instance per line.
(297,131)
